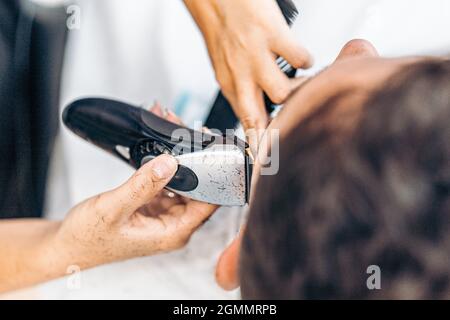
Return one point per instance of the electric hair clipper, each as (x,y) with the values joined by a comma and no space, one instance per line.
(211,168)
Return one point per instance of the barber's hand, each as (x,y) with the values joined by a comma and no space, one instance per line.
(136,219)
(243,39)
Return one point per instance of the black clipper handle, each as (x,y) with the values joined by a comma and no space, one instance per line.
(111,125)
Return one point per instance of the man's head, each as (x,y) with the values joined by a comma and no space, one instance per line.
(364,180)
(351,194)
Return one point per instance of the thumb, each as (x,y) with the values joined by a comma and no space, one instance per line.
(143,186)
(253,116)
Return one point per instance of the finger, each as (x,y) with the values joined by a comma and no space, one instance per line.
(225,78)
(287,47)
(272,80)
(141,187)
(172,117)
(196,214)
(157,109)
(252,113)
(165,113)
(207,130)
(227,269)
(297,82)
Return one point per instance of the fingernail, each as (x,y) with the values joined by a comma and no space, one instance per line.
(164,166)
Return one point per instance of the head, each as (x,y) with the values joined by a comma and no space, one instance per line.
(364,180)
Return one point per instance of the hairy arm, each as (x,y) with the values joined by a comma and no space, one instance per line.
(25,253)
(136,219)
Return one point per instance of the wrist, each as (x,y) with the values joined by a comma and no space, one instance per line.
(65,251)
(60,253)
(206,14)
(50,257)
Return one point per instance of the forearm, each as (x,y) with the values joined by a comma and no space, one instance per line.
(206,14)
(26,254)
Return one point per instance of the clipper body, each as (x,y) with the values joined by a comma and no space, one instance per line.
(214,169)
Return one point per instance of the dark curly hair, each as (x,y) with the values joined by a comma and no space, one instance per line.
(344,200)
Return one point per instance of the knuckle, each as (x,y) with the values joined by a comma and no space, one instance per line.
(96,208)
(298,56)
(182,242)
(179,242)
(298,61)
(140,184)
(97,203)
(150,179)
(278,95)
(249,122)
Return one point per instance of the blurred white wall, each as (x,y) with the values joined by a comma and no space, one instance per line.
(395,27)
